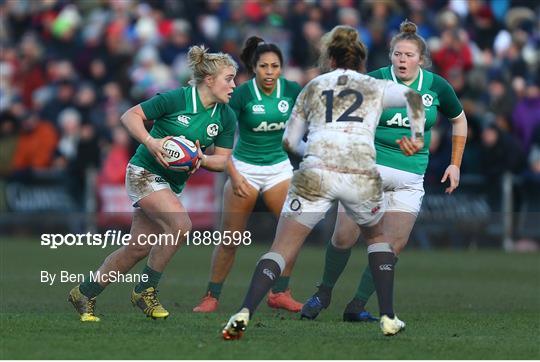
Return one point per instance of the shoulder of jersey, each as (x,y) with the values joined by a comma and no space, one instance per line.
(437,77)
(291,83)
(242,88)
(377,73)
(172,92)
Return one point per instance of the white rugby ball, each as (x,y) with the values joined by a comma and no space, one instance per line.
(182,154)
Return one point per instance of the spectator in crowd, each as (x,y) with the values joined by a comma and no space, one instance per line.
(500,153)
(526,114)
(36,145)
(454,54)
(117,158)
(500,99)
(8,141)
(149,74)
(63,98)
(29,75)
(69,122)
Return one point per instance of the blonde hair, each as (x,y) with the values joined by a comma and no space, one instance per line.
(202,63)
(342,45)
(407,31)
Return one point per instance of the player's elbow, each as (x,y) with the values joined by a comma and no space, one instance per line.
(124,118)
(286,145)
(128,115)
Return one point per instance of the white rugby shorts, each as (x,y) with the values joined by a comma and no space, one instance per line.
(313,191)
(263,178)
(403,191)
(141,183)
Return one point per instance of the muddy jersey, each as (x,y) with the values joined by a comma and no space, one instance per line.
(342,109)
(180,112)
(261,121)
(436,94)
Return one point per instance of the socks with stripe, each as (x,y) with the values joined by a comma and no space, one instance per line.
(381,262)
(266,273)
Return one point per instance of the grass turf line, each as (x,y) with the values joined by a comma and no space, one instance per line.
(457,305)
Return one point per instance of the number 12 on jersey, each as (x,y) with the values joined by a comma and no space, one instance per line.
(345,117)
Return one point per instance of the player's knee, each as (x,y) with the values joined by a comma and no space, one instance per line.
(181,227)
(229,248)
(398,245)
(177,231)
(342,239)
(138,252)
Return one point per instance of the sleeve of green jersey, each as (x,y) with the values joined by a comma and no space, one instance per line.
(376,74)
(293,89)
(450,105)
(158,105)
(226,138)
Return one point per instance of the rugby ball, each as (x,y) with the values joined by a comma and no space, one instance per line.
(182,154)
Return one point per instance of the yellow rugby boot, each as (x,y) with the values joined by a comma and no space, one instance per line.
(83,305)
(147,301)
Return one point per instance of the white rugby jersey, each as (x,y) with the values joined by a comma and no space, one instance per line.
(340,110)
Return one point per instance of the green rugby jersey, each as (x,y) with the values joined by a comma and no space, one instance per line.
(261,121)
(180,112)
(437,94)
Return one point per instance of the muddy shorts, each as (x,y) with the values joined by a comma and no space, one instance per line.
(313,191)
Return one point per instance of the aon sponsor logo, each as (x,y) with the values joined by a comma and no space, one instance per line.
(265,127)
(399,121)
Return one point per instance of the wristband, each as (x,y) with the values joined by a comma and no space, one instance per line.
(458,147)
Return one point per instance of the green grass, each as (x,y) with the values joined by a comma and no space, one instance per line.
(457,305)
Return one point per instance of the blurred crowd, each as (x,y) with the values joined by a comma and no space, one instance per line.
(69,69)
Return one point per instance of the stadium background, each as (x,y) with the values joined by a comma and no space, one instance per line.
(69,69)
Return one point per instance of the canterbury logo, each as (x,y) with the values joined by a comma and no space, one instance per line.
(385,267)
(269,274)
(258,108)
(183,119)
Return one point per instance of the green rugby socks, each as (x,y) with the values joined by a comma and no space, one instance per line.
(153,279)
(281,285)
(90,289)
(214,289)
(366,288)
(334,263)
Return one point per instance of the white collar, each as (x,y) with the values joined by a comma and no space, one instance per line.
(420,81)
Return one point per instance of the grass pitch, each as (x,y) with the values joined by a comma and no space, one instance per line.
(457,305)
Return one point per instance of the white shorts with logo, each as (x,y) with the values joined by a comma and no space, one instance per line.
(263,178)
(313,191)
(140,183)
(403,191)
